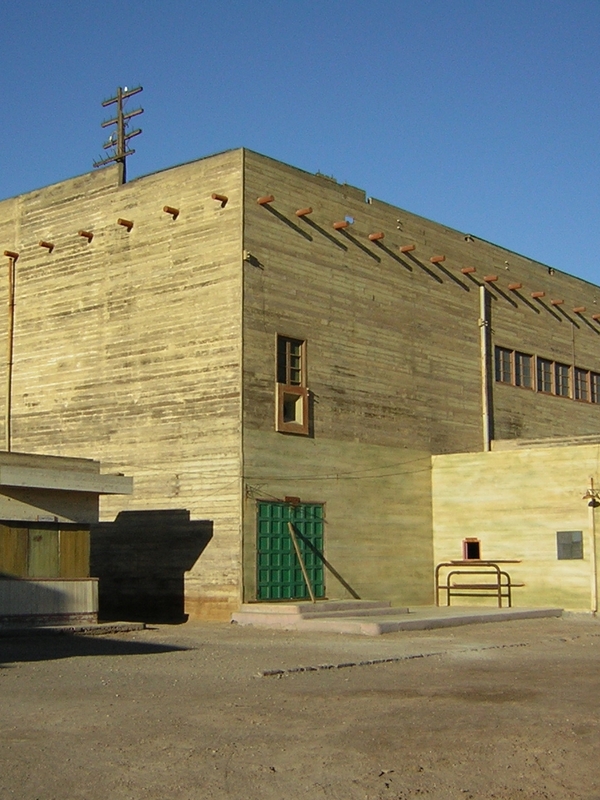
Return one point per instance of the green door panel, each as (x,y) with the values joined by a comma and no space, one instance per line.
(279,572)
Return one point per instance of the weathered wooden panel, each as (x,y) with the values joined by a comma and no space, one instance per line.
(13,551)
(43,553)
(74,553)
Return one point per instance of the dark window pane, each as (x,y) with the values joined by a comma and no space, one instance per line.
(595,385)
(569,544)
(544,375)
(563,382)
(503,359)
(523,371)
(281,359)
(290,366)
(581,384)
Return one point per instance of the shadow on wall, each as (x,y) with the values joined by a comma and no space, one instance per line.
(141,558)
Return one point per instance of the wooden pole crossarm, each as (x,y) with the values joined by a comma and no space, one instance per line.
(119,138)
(127,115)
(123,95)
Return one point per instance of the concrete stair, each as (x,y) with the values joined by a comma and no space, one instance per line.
(372,617)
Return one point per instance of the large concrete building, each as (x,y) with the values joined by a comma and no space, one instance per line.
(254,343)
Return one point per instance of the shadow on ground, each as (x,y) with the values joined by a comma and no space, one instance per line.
(48,648)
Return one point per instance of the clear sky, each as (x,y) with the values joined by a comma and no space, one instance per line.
(480,115)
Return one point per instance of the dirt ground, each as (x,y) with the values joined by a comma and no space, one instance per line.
(503,710)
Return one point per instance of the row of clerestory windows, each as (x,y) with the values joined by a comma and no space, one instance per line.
(547,376)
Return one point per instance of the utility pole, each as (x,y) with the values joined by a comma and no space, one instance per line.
(120,137)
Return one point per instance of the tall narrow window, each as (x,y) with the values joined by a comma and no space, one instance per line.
(582,391)
(523,371)
(562,382)
(544,375)
(290,361)
(292,394)
(595,387)
(503,365)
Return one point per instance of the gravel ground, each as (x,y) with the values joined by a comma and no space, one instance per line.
(207,710)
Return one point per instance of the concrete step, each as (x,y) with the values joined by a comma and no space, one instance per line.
(303,607)
(288,614)
(372,624)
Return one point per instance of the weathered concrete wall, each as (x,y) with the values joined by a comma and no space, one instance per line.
(377,511)
(376,322)
(127,348)
(393,339)
(514,502)
(393,361)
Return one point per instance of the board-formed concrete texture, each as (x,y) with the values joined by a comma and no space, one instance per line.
(153,348)
(515,501)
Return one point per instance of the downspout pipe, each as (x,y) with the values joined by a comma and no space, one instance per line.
(12,259)
(484,340)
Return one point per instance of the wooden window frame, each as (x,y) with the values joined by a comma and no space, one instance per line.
(522,359)
(594,387)
(291,398)
(287,367)
(298,396)
(581,385)
(562,372)
(545,375)
(501,354)
(544,362)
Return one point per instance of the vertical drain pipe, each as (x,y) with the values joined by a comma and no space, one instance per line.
(484,339)
(12,258)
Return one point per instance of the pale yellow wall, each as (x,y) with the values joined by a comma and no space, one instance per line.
(515,502)
(128,348)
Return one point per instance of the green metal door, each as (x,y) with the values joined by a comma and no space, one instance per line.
(279,573)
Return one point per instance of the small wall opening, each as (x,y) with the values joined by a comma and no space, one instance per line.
(292,408)
(471,549)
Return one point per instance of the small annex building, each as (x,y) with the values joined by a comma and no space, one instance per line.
(531,502)
(47,507)
(256,344)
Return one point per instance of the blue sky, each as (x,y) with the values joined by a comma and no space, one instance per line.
(481,115)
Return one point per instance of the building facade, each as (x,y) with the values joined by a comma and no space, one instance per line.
(257,345)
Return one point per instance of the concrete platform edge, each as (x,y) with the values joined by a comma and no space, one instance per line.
(99,629)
